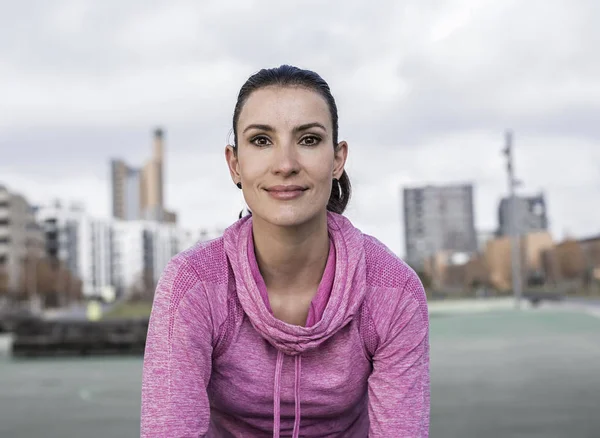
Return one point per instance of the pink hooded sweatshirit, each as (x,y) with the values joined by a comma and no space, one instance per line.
(219,364)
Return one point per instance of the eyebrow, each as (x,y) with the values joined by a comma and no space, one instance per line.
(300,128)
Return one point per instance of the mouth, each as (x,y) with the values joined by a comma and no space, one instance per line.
(286,192)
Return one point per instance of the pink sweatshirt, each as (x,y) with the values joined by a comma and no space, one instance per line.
(219,364)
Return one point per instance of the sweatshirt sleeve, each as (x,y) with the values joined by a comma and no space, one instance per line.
(399,388)
(177,358)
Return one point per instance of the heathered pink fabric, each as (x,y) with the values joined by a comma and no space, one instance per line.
(318,303)
(219,364)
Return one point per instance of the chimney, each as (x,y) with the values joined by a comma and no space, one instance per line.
(158,145)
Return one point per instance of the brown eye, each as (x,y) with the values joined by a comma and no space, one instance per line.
(310,140)
(260,140)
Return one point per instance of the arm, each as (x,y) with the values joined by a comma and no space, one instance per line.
(177,358)
(399,383)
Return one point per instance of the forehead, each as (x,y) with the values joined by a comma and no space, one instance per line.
(285,106)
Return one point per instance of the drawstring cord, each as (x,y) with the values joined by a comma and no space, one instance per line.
(298,364)
(277,396)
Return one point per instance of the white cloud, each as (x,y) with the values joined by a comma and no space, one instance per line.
(425,91)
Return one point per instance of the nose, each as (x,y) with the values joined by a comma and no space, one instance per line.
(285,160)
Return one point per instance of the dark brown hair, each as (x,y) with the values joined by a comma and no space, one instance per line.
(289,76)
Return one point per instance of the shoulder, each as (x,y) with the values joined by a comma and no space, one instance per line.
(196,277)
(394,288)
(384,268)
(207,260)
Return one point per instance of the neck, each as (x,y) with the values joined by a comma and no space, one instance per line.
(291,258)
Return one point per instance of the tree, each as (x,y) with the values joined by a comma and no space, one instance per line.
(143,288)
(425,279)
(3,280)
(53,282)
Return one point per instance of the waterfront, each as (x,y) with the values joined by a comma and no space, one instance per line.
(500,374)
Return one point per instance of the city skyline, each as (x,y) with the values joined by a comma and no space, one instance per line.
(424,98)
(102,209)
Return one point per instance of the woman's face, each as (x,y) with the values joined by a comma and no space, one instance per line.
(286,159)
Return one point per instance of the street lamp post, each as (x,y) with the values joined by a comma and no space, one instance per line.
(33,292)
(513,226)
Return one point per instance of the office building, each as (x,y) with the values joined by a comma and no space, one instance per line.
(21,241)
(531,215)
(141,251)
(438,218)
(81,243)
(126,191)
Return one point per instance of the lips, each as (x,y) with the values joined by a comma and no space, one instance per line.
(286,188)
(286,192)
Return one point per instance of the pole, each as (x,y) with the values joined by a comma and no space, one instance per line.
(513,225)
(33,296)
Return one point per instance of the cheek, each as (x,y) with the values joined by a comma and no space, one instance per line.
(323,172)
(320,165)
(251,167)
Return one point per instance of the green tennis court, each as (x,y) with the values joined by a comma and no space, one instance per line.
(516,374)
(500,374)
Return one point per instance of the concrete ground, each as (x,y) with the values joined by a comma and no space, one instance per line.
(498,374)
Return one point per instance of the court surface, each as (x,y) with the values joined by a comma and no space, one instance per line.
(534,373)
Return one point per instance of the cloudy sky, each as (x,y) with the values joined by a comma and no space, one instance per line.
(425,90)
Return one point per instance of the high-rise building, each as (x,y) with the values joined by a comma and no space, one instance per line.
(82,243)
(438,218)
(530,214)
(20,240)
(126,191)
(139,193)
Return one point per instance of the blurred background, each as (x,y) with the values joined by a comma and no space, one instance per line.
(474,136)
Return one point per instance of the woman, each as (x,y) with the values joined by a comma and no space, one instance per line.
(294,323)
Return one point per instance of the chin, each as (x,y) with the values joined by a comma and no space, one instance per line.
(288,217)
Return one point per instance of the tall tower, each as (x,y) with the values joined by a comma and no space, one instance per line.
(152,204)
(158,157)
(126,191)
(118,171)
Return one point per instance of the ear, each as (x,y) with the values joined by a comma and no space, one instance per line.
(233,164)
(339,161)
